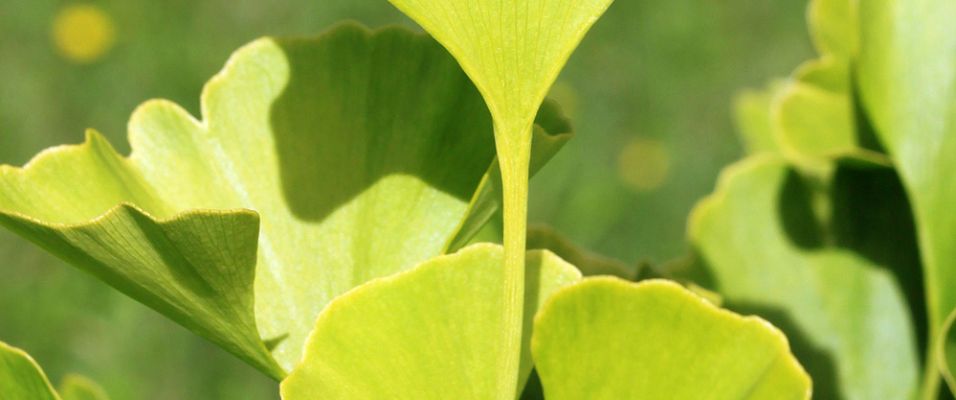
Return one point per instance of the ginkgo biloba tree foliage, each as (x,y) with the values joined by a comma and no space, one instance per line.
(317,220)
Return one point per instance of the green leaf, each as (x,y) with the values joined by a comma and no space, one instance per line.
(513,52)
(358,153)
(833,27)
(21,378)
(605,338)
(814,116)
(907,74)
(76,387)
(840,310)
(429,333)
(752,116)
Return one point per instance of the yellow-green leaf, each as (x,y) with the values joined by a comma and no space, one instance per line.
(21,378)
(318,165)
(606,338)
(841,311)
(428,333)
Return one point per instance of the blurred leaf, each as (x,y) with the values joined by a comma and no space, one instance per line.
(589,263)
(907,74)
(605,338)
(21,378)
(813,115)
(840,310)
(815,118)
(833,27)
(429,333)
(75,387)
(752,118)
(360,152)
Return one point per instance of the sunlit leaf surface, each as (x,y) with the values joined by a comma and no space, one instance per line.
(606,338)
(331,161)
(429,333)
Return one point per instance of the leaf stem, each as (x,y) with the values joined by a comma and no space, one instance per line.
(929,389)
(514,153)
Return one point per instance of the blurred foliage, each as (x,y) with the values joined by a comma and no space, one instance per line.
(648,92)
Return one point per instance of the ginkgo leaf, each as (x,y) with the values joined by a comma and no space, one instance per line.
(21,378)
(758,237)
(428,333)
(513,52)
(752,117)
(358,153)
(76,387)
(833,27)
(907,75)
(605,338)
(813,116)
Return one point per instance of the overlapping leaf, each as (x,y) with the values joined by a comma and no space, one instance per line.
(907,76)
(513,52)
(605,338)
(357,152)
(841,311)
(429,333)
(813,116)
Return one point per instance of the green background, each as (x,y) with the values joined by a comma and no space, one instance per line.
(659,70)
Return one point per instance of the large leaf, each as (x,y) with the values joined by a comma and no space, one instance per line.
(840,310)
(429,333)
(22,379)
(606,338)
(907,75)
(358,151)
(513,52)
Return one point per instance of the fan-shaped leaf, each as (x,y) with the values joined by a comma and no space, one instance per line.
(605,338)
(429,333)
(358,152)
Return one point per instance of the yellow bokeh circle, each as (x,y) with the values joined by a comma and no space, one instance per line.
(644,164)
(83,33)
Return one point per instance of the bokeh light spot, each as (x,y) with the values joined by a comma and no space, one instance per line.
(83,33)
(644,164)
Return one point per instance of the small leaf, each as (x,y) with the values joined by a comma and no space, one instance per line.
(21,378)
(429,333)
(758,237)
(833,27)
(605,338)
(76,387)
(752,109)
